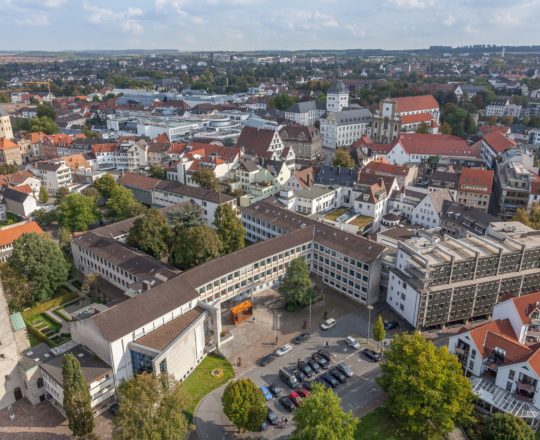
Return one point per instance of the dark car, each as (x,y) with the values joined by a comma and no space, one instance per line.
(329,379)
(276,390)
(265,360)
(371,355)
(338,374)
(305,368)
(264,426)
(308,385)
(390,325)
(325,354)
(299,375)
(322,361)
(314,365)
(345,369)
(301,338)
(322,382)
(114,409)
(287,403)
(272,417)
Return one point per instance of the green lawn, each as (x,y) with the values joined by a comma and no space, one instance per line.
(33,340)
(64,295)
(375,426)
(201,382)
(335,213)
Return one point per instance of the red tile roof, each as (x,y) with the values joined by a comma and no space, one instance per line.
(435,145)
(416,103)
(523,305)
(6,144)
(382,167)
(139,181)
(10,233)
(535,186)
(476,180)
(256,141)
(26,189)
(104,148)
(488,128)
(501,331)
(416,119)
(498,141)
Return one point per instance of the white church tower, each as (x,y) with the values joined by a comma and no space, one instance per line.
(337,97)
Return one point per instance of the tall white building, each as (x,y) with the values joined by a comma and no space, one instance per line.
(337,97)
(5,125)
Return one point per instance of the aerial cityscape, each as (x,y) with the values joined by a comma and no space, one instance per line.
(244,219)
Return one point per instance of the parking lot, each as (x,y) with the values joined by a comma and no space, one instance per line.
(360,393)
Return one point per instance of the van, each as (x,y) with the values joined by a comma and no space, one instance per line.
(288,377)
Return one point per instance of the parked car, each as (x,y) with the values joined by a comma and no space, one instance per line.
(331,380)
(314,365)
(351,342)
(295,397)
(287,403)
(325,354)
(390,325)
(322,382)
(288,377)
(305,368)
(264,427)
(345,369)
(303,392)
(301,338)
(265,360)
(371,355)
(299,375)
(308,385)
(328,324)
(272,417)
(283,350)
(266,392)
(276,390)
(320,360)
(114,409)
(338,374)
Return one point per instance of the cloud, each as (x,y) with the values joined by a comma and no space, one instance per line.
(134,12)
(412,4)
(505,19)
(53,4)
(306,20)
(33,20)
(356,31)
(449,20)
(124,19)
(132,27)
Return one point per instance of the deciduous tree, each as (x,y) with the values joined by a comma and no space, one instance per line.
(229,228)
(532,218)
(427,393)
(77,400)
(206,179)
(16,289)
(105,185)
(244,405)
(151,408)
(60,194)
(501,426)
(423,128)
(379,333)
(322,418)
(342,158)
(151,234)
(157,171)
(194,246)
(297,286)
(43,194)
(77,212)
(121,204)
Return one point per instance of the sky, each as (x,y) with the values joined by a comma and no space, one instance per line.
(236,25)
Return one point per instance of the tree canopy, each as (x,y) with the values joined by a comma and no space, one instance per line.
(342,158)
(206,179)
(16,289)
(501,426)
(77,399)
(322,418)
(531,219)
(43,124)
(281,101)
(379,333)
(244,405)
(77,212)
(229,228)
(41,261)
(194,246)
(297,286)
(43,194)
(151,234)
(157,171)
(105,185)
(151,408)
(121,204)
(427,392)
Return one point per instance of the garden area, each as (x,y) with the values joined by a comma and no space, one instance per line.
(376,426)
(44,320)
(211,373)
(360,221)
(11,219)
(335,214)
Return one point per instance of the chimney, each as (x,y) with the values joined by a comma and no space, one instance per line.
(309,179)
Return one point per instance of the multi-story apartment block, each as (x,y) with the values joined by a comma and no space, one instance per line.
(502,107)
(305,141)
(311,200)
(474,188)
(404,114)
(438,280)
(405,175)
(126,155)
(5,125)
(54,174)
(492,145)
(458,220)
(342,128)
(306,112)
(10,152)
(502,359)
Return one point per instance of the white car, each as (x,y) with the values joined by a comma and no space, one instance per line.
(284,349)
(351,342)
(328,324)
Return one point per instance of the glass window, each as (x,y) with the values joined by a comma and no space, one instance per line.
(141,362)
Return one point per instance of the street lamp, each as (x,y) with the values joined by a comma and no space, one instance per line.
(370,308)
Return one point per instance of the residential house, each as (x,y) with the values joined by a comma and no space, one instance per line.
(468,90)
(305,141)
(54,174)
(5,125)
(305,112)
(458,220)
(124,155)
(310,200)
(429,211)
(502,107)
(19,200)
(266,144)
(405,175)
(21,178)
(301,179)
(492,145)
(474,188)
(8,234)
(10,152)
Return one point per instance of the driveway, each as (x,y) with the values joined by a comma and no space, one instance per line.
(360,394)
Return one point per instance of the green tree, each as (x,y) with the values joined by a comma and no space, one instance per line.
(91,192)
(185,217)
(502,426)
(194,246)
(105,185)
(297,286)
(157,171)
(244,405)
(206,179)
(379,333)
(229,228)
(507,120)
(89,283)
(423,128)
(43,194)
(151,408)
(446,128)
(16,289)
(427,393)
(40,260)
(45,110)
(44,124)
(322,418)
(60,194)
(151,234)
(281,101)
(531,219)
(77,400)
(342,158)
(121,204)
(8,168)
(64,238)
(77,212)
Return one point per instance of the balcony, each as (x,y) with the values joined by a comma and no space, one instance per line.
(462,351)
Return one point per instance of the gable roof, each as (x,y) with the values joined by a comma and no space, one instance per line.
(17,196)
(380,166)
(6,144)
(415,103)
(435,145)
(478,180)
(523,303)
(138,181)
(497,141)
(256,141)
(438,197)
(11,233)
